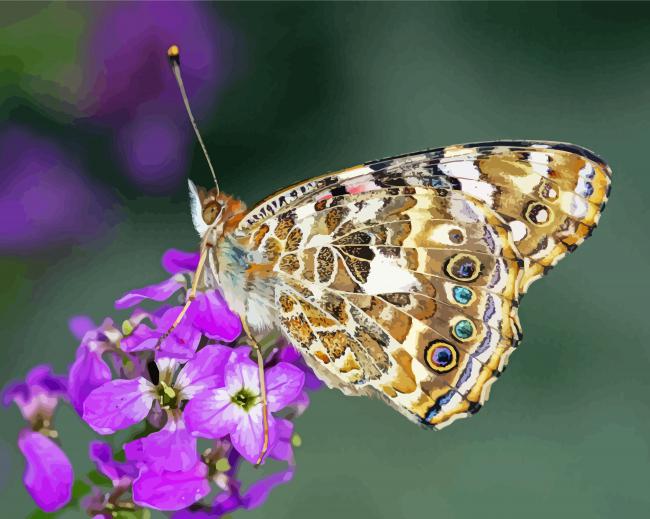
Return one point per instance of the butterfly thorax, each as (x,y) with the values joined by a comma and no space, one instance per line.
(243,275)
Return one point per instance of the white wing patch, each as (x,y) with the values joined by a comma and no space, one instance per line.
(386,276)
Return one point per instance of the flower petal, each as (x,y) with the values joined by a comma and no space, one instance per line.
(284,382)
(214,319)
(204,371)
(290,354)
(79,325)
(48,473)
(118,404)
(120,474)
(43,377)
(241,373)
(211,414)
(282,449)
(172,448)
(260,490)
(171,490)
(184,340)
(248,437)
(140,339)
(38,395)
(88,372)
(158,292)
(175,261)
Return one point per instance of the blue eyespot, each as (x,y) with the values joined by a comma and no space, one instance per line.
(463,329)
(442,356)
(463,267)
(462,295)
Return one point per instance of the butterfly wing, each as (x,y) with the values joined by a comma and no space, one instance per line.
(551,194)
(401,277)
(410,296)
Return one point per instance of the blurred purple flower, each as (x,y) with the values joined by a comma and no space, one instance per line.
(130,86)
(48,473)
(79,325)
(44,198)
(236,409)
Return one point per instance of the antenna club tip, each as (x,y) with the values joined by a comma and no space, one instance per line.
(174,53)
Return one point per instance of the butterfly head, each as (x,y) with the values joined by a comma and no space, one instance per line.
(214,213)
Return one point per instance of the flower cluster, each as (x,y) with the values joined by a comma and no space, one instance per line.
(190,403)
(108,73)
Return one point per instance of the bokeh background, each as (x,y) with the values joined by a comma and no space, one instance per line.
(95,150)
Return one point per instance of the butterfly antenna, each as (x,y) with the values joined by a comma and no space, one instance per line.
(174,55)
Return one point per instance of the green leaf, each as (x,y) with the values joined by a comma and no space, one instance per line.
(98,479)
(79,489)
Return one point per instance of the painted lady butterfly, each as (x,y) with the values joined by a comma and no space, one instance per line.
(401,278)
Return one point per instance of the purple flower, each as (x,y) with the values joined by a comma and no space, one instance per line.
(158,292)
(120,403)
(45,199)
(207,315)
(287,353)
(120,474)
(37,396)
(236,408)
(79,325)
(166,490)
(181,343)
(255,496)
(175,261)
(282,449)
(48,473)
(131,87)
(89,370)
(172,448)
(233,498)
(101,504)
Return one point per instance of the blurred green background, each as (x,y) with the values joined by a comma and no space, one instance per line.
(320,86)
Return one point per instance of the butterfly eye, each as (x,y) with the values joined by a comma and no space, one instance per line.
(210,212)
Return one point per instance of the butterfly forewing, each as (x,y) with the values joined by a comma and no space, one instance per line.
(401,277)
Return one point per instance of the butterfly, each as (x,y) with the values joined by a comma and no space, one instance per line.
(401,278)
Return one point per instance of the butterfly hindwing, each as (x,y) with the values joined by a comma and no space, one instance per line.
(425,327)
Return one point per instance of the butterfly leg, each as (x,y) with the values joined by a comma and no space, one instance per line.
(260,367)
(191,297)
